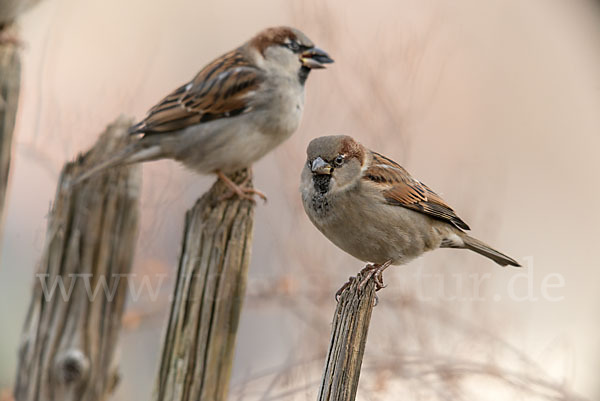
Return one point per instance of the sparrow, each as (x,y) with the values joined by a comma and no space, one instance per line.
(372,208)
(233,112)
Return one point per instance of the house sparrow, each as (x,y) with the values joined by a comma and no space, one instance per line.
(235,110)
(371,207)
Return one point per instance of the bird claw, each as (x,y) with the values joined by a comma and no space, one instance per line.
(347,284)
(241,190)
(244,193)
(374,271)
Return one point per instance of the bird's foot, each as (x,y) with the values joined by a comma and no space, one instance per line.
(243,191)
(376,272)
(347,284)
(371,270)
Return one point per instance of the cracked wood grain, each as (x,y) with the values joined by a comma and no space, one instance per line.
(68,349)
(347,344)
(198,349)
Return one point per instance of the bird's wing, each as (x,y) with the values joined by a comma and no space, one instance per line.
(400,189)
(222,89)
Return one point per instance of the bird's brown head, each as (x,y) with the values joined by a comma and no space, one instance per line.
(334,162)
(290,49)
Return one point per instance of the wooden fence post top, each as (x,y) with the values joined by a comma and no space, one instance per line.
(198,348)
(69,340)
(348,339)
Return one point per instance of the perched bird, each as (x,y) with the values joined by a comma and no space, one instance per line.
(235,110)
(371,207)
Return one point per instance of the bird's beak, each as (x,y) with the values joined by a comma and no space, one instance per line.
(320,166)
(315,58)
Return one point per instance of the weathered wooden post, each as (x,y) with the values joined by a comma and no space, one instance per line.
(10,82)
(199,345)
(72,325)
(347,345)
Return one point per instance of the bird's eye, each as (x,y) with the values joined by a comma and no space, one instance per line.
(339,160)
(293,46)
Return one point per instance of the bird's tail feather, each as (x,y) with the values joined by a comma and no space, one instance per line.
(484,249)
(131,154)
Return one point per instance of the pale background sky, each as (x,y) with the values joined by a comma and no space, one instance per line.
(495,105)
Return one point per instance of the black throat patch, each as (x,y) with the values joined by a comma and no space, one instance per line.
(320,201)
(303,74)
(321,183)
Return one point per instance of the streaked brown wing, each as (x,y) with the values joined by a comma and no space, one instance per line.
(220,90)
(400,189)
